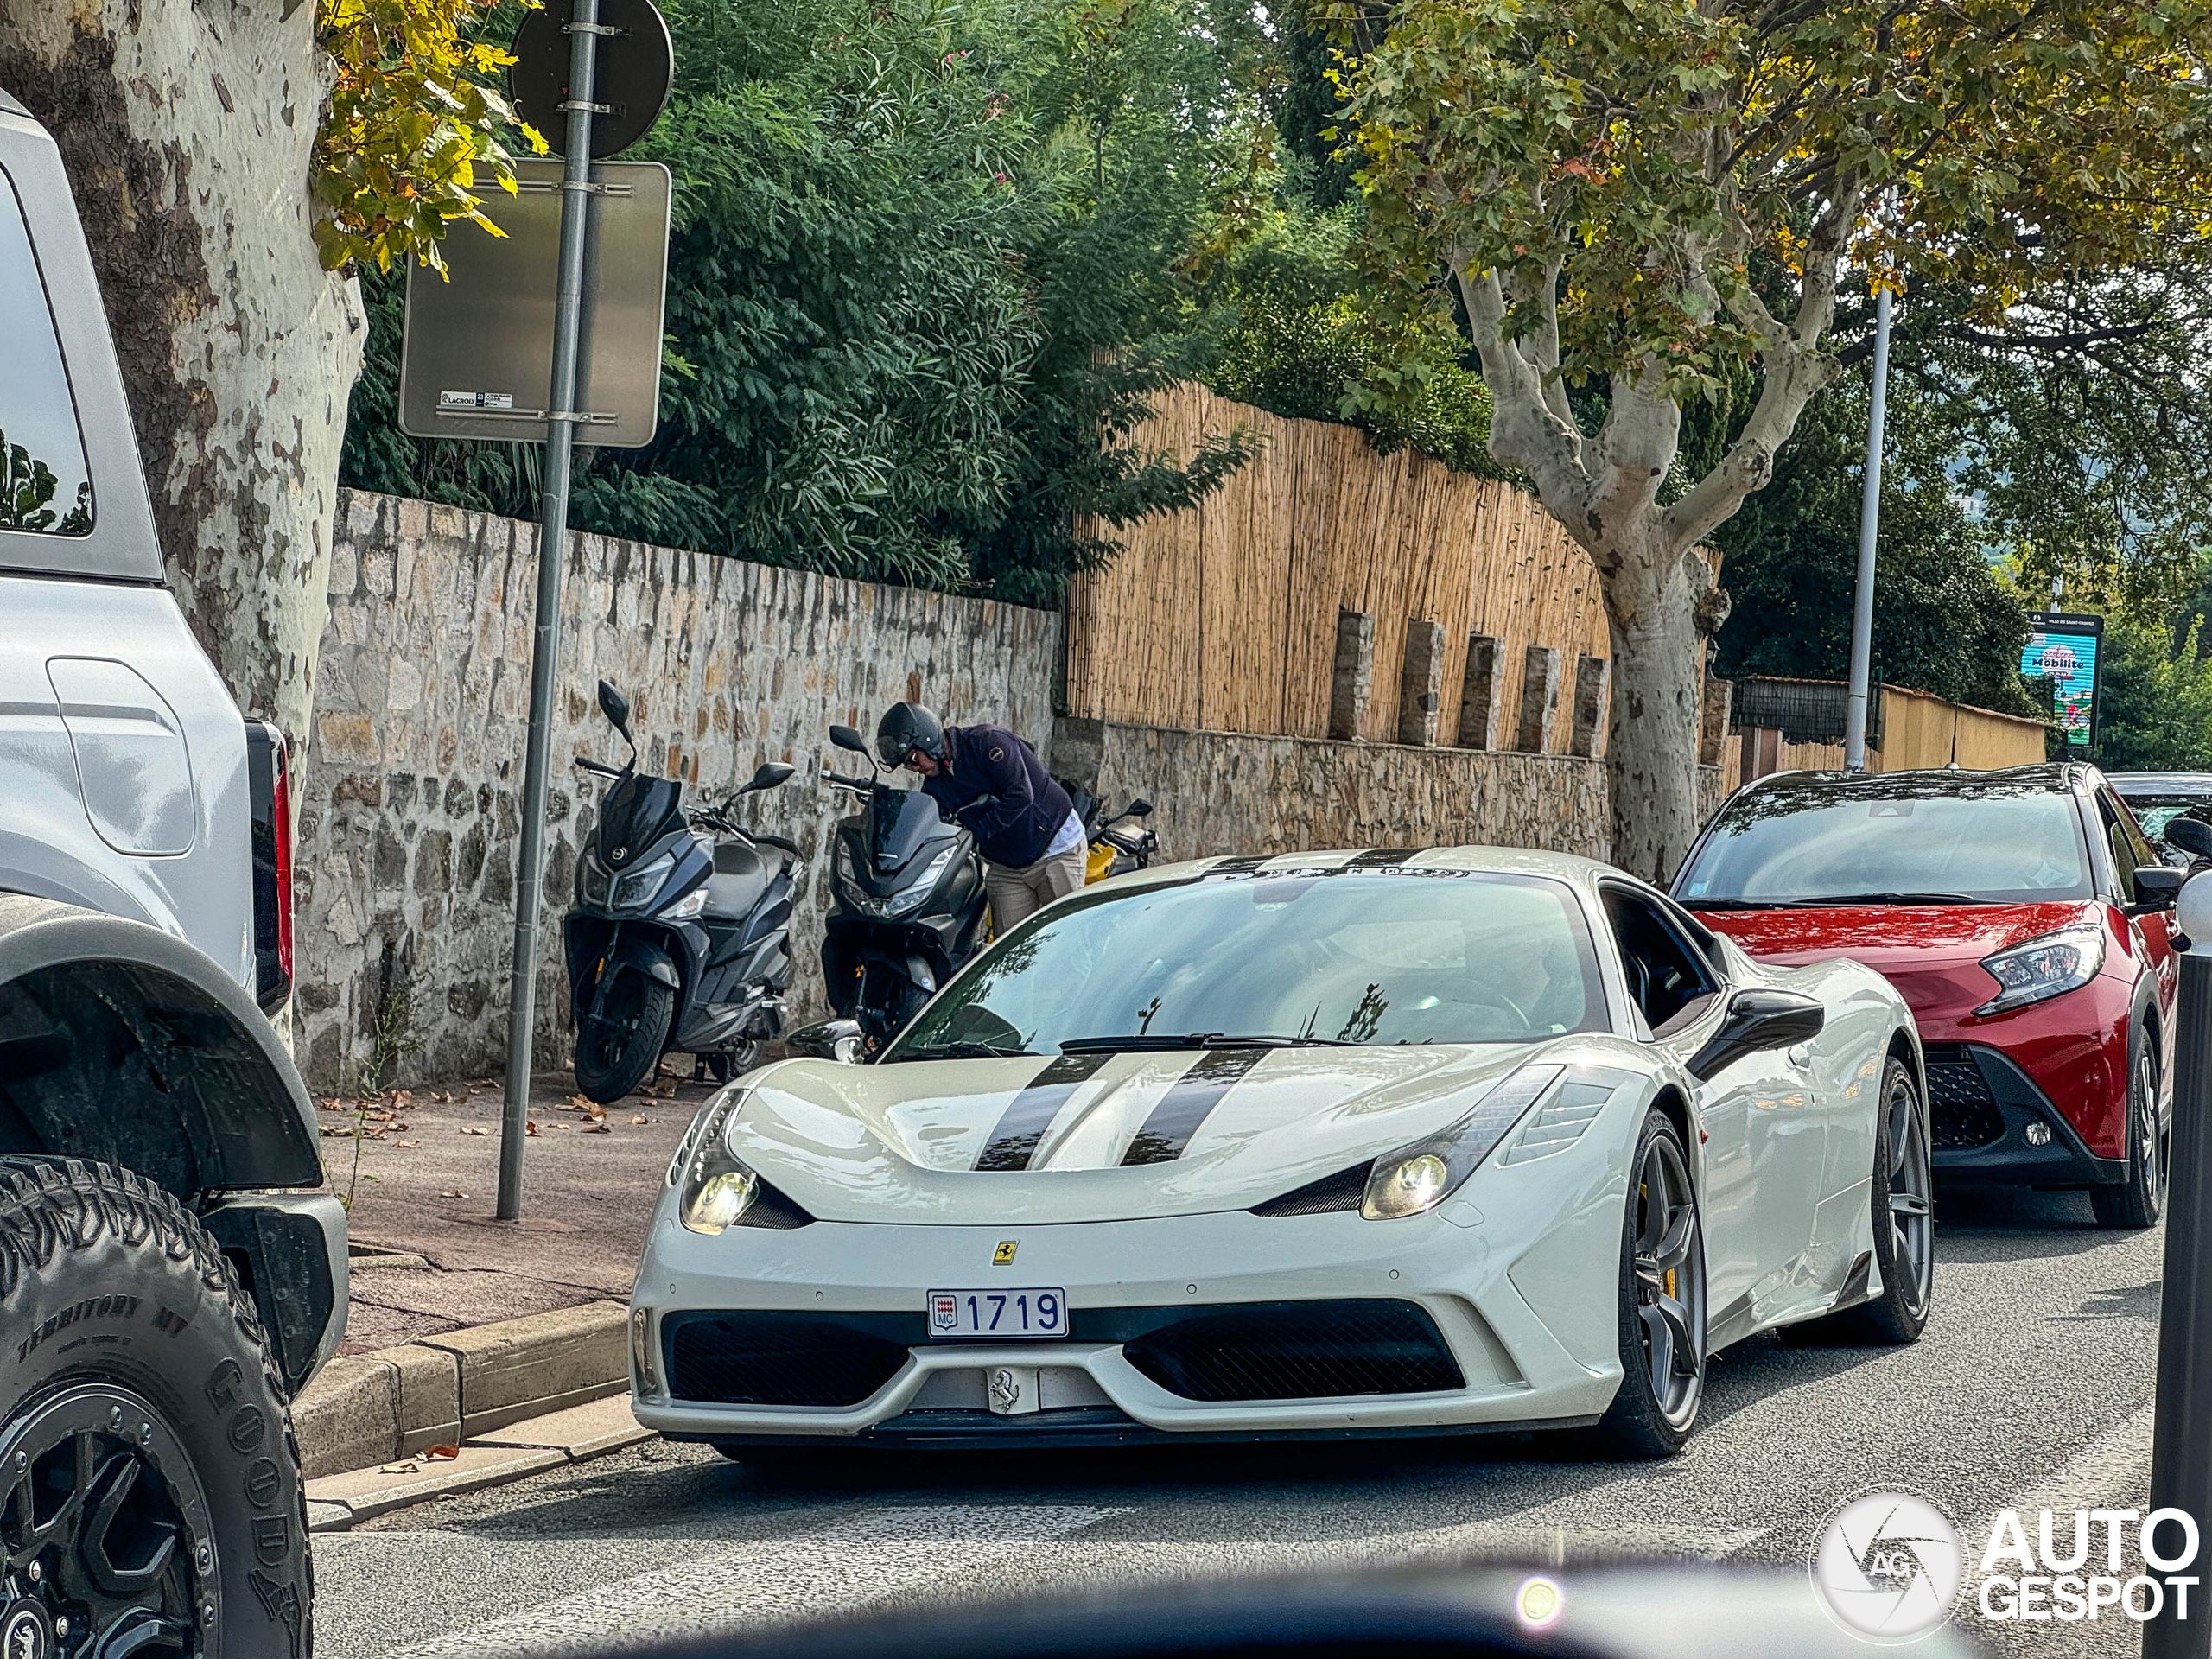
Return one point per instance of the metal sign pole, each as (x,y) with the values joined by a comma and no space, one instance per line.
(2181,1442)
(545,646)
(1870,519)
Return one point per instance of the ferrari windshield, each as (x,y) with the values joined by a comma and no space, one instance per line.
(1436,956)
(1910,840)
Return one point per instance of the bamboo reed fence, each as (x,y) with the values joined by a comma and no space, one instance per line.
(1224,617)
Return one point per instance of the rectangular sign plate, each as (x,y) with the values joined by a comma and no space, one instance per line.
(476,357)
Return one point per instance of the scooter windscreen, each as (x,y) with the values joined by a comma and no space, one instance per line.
(904,821)
(637,812)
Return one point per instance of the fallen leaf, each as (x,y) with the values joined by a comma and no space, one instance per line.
(401,1099)
(409,1467)
(334,1133)
(441,1454)
(472,1129)
(597,1126)
(529,1127)
(640,1120)
(453,1195)
(410,1145)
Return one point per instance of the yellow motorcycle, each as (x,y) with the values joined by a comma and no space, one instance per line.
(1118,844)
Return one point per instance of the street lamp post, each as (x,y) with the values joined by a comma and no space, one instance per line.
(1870,519)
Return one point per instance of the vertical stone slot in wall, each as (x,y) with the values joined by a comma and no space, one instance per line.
(1478,693)
(1592,675)
(1354,680)
(1539,700)
(1420,684)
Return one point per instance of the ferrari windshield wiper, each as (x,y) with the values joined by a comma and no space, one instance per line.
(1882,898)
(1155,1040)
(1732,904)
(962,1052)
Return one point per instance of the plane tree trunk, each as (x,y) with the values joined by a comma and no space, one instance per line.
(187,132)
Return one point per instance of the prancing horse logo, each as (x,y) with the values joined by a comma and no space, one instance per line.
(1003,1256)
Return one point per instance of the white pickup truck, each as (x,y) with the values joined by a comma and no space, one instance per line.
(169,1276)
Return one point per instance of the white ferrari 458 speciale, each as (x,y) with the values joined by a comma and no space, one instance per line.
(1320,1144)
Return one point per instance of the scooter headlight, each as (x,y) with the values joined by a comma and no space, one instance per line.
(593,880)
(913,898)
(1416,1178)
(689,906)
(635,890)
(718,1186)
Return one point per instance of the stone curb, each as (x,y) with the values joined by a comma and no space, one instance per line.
(372,1408)
(557,1439)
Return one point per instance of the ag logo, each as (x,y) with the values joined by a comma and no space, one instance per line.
(1888,1566)
(24,1632)
(1003,1256)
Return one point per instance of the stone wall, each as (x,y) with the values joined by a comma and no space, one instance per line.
(406,807)
(1234,792)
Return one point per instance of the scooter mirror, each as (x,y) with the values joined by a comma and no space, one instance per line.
(1140,808)
(846,738)
(771,774)
(616,708)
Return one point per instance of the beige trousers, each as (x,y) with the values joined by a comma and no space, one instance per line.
(1022,890)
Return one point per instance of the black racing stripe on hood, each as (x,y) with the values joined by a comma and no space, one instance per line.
(1030,1113)
(1186,1105)
(1243,864)
(1379,858)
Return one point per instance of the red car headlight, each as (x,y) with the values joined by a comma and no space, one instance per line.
(2039,969)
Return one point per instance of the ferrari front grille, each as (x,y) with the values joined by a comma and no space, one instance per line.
(1298,1350)
(777,1359)
(1962,1112)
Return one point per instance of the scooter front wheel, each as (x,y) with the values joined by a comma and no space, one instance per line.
(617,1046)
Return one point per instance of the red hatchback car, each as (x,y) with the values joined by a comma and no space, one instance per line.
(2024,917)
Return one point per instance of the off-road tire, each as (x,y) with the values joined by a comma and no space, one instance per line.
(128,1345)
(606,1072)
(2138,1201)
(1899,1314)
(1638,1424)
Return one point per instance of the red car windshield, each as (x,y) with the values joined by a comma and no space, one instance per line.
(1909,840)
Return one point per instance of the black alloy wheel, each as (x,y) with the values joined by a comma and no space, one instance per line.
(2139,1199)
(105,1533)
(1662,1301)
(1904,1196)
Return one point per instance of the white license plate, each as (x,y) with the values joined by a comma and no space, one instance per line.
(999,1314)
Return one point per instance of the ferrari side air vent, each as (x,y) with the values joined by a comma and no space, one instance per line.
(1341,1190)
(770,1208)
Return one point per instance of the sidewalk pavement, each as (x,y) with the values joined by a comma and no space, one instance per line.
(478,1351)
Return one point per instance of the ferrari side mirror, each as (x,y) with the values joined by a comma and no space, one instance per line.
(1757,1021)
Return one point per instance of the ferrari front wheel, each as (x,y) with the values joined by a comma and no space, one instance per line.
(1662,1301)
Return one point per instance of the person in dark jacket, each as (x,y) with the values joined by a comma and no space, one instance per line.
(991,780)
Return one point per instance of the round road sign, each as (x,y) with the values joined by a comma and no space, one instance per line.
(630,76)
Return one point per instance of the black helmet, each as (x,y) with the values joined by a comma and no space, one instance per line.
(907,727)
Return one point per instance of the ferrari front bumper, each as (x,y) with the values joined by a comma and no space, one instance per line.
(1459,1330)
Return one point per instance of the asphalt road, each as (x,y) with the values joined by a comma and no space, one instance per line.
(2030,1384)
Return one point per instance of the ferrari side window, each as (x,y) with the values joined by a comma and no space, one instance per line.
(1666,976)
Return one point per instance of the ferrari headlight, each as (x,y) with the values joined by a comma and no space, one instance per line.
(718,1187)
(635,889)
(2043,967)
(1417,1179)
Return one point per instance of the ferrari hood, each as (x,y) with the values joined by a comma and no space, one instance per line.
(1098,1137)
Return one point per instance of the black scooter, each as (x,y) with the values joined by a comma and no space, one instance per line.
(679,939)
(906,901)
